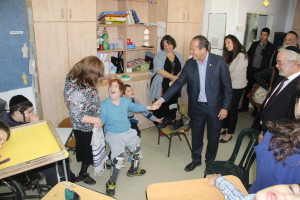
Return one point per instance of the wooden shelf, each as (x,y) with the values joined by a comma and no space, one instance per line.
(141,49)
(111,25)
(111,50)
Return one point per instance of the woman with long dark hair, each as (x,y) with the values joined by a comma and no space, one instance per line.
(236,57)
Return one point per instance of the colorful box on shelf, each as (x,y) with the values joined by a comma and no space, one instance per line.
(131,46)
(138,65)
(111,14)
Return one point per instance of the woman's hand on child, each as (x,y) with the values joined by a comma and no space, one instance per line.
(98,123)
(211,178)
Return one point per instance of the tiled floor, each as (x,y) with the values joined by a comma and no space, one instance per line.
(159,167)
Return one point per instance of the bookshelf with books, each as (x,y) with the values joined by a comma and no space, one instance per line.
(144,15)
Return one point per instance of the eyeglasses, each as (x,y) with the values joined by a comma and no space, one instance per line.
(282,63)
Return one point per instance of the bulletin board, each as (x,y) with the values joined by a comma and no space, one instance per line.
(14,57)
(216,29)
(31,146)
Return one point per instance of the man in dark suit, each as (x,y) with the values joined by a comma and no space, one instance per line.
(280,103)
(260,54)
(209,92)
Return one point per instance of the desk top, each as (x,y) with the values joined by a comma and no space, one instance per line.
(190,190)
(30,146)
(58,192)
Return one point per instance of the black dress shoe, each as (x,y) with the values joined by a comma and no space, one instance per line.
(176,124)
(165,122)
(191,166)
(225,141)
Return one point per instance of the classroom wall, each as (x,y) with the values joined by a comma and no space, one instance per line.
(282,10)
(14,58)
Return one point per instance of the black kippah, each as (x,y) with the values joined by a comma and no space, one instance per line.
(15,100)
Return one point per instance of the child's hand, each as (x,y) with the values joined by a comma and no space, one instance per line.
(153,107)
(34,117)
(159,120)
(211,178)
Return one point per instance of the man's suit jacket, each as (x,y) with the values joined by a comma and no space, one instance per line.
(218,87)
(281,107)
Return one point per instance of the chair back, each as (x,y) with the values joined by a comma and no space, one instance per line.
(65,123)
(249,154)
(183,109)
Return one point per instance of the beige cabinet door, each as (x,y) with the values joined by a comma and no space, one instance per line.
(79,10)
(81,40)
(194,11)
(176,11)
(141,89)
(52,66)
(177,31)
(191,30)
(49,10)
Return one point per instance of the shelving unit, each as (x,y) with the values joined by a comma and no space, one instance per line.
(147,13)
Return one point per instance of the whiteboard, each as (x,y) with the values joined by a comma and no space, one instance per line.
(216,29)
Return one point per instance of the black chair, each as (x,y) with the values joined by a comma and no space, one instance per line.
(242,169)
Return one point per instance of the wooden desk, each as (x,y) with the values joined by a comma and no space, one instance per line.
(190,190)
(58,192)
(31,146)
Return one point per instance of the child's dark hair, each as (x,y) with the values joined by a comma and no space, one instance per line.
(125,87)
(5,128)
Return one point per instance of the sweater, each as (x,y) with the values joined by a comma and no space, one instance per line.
(115,116)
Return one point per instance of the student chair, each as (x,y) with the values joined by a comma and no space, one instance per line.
(71,142)
(242,169)
(169,133)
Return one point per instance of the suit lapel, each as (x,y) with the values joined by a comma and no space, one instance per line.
(286,90)
(196,74)
(208,68)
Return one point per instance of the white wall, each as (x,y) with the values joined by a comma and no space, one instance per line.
(282,10)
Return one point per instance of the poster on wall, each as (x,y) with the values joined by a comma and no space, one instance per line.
(216,30)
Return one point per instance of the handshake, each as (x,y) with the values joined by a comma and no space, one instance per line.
(156,105)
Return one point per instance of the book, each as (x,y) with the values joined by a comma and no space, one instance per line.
(111,14)
(116,19)
(109,22)
(137,20)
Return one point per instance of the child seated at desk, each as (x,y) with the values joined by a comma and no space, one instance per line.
(276,192)
(128,92)
(4,133)
(21,112)
(119,135)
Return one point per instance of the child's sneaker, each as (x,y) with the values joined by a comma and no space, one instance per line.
(110,188)
(136,172)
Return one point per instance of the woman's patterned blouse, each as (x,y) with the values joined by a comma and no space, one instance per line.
(81,100)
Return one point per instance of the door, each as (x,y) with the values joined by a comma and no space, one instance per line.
(141,90)
(176,11)
(81,41)
(79,10)
(177,31)
(49,10)
(191,30)
(194,11)
(52,67)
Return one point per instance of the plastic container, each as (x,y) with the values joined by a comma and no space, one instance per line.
(105,39)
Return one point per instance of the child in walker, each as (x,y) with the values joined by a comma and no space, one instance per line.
(119,135)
